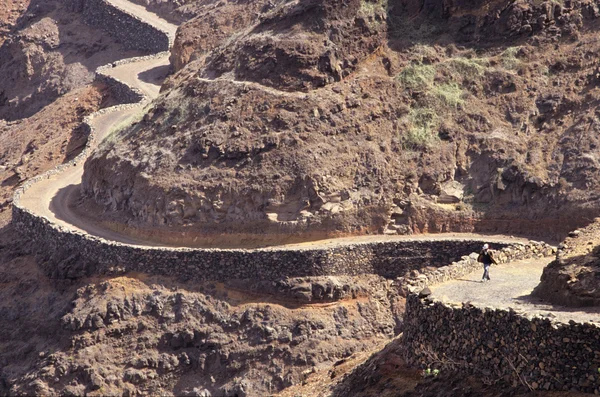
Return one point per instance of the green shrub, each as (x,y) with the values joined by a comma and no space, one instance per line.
(417,77)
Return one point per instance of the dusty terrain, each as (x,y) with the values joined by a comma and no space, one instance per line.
(140,334)
(326,119)
(10,12)
(224,338)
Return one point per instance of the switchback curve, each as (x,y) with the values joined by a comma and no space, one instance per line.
(47,196)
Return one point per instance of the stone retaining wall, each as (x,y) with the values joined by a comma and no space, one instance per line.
(39,229)
(129,96)
(77,254)
(502,345)
(120,91)
(129,30)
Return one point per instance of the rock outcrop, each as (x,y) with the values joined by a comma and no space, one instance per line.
(573,278)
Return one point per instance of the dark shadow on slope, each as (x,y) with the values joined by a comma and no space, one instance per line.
(476,24)
(544,305)
(31,306)
(77,142)
(156,75)
(11,181)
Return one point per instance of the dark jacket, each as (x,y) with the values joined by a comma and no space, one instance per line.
(486,257)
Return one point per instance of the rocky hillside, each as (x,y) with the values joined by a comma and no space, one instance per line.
(47,59)
(325,117)
(49,52)
(11,11)
(31,146)
(139,334)
(319,117)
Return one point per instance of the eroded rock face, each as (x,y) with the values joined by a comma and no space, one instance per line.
(573,278)
(128,336)
(213,25)
(336,117)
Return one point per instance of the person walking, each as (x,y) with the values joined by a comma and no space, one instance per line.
(487,258)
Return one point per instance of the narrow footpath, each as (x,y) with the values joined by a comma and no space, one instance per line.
(510,287)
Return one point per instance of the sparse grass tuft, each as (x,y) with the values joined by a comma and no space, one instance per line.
(450,94)
(417,77)
(120,130)
(468,68)
(422,131)
(509,58)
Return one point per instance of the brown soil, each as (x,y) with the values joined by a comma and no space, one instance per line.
(143,334)
(374,123)
(10,12)
(308,129)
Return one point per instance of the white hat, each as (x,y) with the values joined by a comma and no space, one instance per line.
(485,246)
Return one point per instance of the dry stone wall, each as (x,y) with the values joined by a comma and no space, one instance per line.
(120,91)
(129,30)
(77,254)
(497,344)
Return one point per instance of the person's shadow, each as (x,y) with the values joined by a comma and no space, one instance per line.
(467,281)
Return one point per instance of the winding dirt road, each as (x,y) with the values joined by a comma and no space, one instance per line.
(51,197)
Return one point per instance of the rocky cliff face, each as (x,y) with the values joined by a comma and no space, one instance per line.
(346,117)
